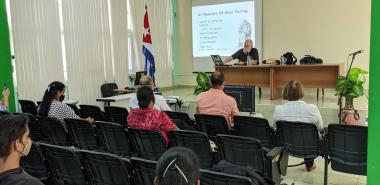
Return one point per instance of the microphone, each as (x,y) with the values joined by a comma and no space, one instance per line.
(357,52)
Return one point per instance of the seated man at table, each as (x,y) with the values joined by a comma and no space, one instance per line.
(215,101)
(248,54)
(160,102)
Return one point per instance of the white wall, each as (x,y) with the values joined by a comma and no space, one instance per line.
(323,28)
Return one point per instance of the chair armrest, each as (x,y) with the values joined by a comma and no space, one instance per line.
(275,152)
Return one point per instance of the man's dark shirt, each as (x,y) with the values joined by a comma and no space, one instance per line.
(18,177)
(241,56)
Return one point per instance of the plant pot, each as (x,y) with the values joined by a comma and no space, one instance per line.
(350,116)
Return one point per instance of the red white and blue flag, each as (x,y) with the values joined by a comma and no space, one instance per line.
(149,66)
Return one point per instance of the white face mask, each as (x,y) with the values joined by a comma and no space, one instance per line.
(26,149)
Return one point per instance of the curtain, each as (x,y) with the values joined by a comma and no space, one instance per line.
(159,14)
(88,48)
(37,46)
(120,40)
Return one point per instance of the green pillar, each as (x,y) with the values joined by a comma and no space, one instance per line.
(374,99)
(5,57)
(174,41)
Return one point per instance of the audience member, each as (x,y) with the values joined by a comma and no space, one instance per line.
(296,110)
(178,166)
(52,105)
(147,117)
(215,101)
(14,144)
(160,102)
(4,102)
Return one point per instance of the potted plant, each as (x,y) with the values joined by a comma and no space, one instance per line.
(203,81)
(350,89)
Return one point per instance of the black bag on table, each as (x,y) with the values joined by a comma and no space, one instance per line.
(308,59)
(289,58)
(247,171)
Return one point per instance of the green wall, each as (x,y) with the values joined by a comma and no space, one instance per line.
(374,99)
(5,56)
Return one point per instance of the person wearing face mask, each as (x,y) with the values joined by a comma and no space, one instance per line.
(246,55)
(52,105)
(14,144)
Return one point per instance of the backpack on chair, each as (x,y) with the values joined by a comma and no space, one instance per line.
(247,171)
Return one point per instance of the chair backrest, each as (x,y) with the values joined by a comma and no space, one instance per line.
(54,131)
(35,163)
(145,170)
(3,113)
(139,74)
(92,111)
(105,168)
(107,89)
(347,148)
(35,127)
(299,139)
(148,144)
(75,108)
(242,151)
(114,138)
(254,127)
(28,106)
(65,162)
(212,125)
(82,133)
(117,114)
(217,178)
(178,115)
(196,141)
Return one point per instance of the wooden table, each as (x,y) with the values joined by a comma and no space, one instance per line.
(276,76)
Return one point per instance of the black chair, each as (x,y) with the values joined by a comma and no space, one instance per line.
(107,89)
(82,133)
(92,111)
(148,144)
(196,141)
(65,164)
(346,149)
(145,170)
(181,116)
(75,109)
(254,127)
(246,151)
(35,127)
(212,125)
(54,131)
(35,163)
(300,140)
(28,106)
(117,114)
(114,138)
(3,113)
(217,178)
(105,168)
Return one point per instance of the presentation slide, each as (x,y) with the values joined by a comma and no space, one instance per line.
(220,29)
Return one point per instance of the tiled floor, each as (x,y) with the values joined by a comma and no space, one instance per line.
(329,110)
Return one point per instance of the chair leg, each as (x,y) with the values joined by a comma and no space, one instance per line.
(326,170)
(317,93)
(323,92)
(260,91)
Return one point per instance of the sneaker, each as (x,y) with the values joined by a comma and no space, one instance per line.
(309,169)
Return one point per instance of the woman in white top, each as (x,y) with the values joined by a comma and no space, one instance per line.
(298,111)
(52,105)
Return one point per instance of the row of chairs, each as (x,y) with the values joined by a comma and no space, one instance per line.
(111,113)
(71,166)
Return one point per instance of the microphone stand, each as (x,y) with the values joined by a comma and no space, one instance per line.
(341,93)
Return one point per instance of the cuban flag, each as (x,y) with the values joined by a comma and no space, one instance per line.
(149,66)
